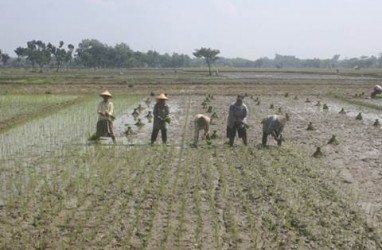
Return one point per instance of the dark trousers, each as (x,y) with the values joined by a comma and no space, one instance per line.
(155,132)
(241,131)
(265,136)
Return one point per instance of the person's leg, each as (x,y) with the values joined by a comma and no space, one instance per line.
(231,141)
(196,135)
(279,140)
(111,131)
(231,135)
(154,135)
(264,140)
(243,135)
(164,135)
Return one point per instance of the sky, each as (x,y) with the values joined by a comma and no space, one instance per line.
(238,28)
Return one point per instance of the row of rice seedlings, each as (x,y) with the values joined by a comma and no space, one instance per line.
(163,185)
(73,124)
(231,159)
(370,103)
(300,217)
(171,201)
(130,175)
(184,188)
(211,197)
(14,106)
(228,220)
(264,186)
(39,136)
(291,179)
(39,193)
(78,185)
(169,227)
(148,189)
(100,202)
(198,204)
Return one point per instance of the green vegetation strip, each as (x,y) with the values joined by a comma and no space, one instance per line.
(32,107)
(377,106)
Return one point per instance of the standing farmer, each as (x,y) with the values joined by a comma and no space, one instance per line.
(161,112)
(237,121)
(105,115)
(273,125)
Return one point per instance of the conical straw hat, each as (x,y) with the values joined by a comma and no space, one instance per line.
(162,97)
(105,93)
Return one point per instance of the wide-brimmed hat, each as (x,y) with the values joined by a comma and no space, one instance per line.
(105,93)
(162,97)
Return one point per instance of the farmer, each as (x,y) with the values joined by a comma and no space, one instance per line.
(273,125)
(105,115)
(376,91)
(237,120)
(201,122)
(161,112)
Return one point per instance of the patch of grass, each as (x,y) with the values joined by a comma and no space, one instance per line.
(374,105)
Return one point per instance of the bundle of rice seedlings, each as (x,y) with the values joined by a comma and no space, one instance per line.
(310,126)
(167,119)
(342,111)
(333,140)
(128,131)
(139,123)
(318,153)
(359,116)
(376,123)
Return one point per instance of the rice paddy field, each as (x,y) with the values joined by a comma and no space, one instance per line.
(60,191)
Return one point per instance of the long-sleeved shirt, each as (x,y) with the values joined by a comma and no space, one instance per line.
(160,113)
(273,125)
(237,114)
(105,110)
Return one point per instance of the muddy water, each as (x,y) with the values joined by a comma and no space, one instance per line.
(141,135)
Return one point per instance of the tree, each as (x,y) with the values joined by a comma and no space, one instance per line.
(5,58)
(92,53)
(209,55)
(60,54)
(36,52)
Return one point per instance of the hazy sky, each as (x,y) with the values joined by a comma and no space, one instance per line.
(238,28)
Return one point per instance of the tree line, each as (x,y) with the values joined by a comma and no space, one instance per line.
(91,53)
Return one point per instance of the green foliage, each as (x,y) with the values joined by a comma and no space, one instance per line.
(60,54)
(36,52)
(209,55)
